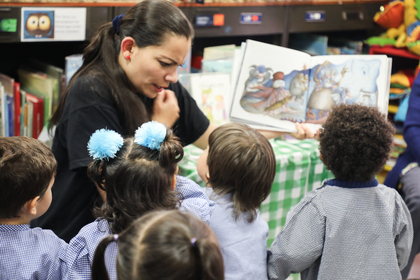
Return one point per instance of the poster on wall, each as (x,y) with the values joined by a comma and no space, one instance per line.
(53,24)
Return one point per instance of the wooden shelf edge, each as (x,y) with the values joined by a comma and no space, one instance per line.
(132,3)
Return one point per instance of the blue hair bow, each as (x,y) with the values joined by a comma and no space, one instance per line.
(150,135)
(104,144)
(116,23)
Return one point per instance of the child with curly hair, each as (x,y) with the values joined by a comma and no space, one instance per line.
(351,227)
(27,171)
(138,175)
(239,166)
(168,245)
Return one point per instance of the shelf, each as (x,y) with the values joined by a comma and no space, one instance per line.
(180,4)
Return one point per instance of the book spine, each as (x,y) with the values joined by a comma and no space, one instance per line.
(18,109)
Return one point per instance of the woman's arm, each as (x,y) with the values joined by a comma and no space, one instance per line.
(204,138)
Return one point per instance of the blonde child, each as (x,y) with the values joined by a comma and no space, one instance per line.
(27,170)
(138,175)
(161,245)
(239,167)
(351,227)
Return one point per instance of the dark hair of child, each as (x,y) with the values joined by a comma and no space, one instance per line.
(136,181)
(241,161)
(27,167)
(166,245)
(148,23)
(355,142)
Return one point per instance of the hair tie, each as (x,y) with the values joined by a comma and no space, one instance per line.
(193,240)
(115,237)
(150,135)
(104,144)
(116,23)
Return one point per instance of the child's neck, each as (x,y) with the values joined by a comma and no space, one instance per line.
(22,220)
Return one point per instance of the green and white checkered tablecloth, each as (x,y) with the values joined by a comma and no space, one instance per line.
(299,170)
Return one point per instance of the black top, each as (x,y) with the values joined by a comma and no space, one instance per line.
(85,111)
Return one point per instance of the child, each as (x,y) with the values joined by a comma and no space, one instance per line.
(239,167)
(27,170)
(351,227)
(163,245)
(138,175)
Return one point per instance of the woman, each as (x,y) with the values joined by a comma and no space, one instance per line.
(128,77)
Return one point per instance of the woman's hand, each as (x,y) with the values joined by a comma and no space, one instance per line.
(165,108)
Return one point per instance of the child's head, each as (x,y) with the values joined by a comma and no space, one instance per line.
(239,160)
(138,174)
(164,245)
(27,170)
(355,142)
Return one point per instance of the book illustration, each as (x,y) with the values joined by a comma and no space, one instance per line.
(211,92)
(38,24)
(277,86)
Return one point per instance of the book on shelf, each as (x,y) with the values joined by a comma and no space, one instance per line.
(35,114)
(7,105)
(56,75)
(73,63)
(40,85)
(277,86)
(2,111)
(17,108)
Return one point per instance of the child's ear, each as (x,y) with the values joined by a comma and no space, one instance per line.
(30,206)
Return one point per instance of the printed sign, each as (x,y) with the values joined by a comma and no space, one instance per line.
(250,18)
(53,24)
(315,16)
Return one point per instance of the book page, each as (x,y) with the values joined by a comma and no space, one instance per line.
(348,79)
(271,86)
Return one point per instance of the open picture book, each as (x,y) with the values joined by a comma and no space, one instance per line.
(277,86)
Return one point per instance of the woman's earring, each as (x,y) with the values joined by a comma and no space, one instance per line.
(128,57)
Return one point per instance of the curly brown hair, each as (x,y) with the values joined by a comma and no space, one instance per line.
(355,142)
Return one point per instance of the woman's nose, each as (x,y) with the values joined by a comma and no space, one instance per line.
(172,76)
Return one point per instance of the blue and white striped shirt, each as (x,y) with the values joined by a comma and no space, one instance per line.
(344,230)
(82,247)
(27,253)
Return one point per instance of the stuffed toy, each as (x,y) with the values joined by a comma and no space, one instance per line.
(402,19)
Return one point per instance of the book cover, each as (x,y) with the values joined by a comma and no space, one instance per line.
(9,88)
(17,108)
(73,63)
(30,119)
(278,86)
(52,72)
(39,85)
(35,114)
(211,91)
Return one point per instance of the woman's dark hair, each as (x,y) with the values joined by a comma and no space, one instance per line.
(355,142)
(241,162)
(27,167)
(166,245)
(148,23)
(137,181)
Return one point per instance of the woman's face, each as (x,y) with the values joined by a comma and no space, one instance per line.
(151,69)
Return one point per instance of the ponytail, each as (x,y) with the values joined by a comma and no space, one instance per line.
(99,271)
(171,152)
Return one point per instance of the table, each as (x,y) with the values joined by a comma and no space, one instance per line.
(299,170)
